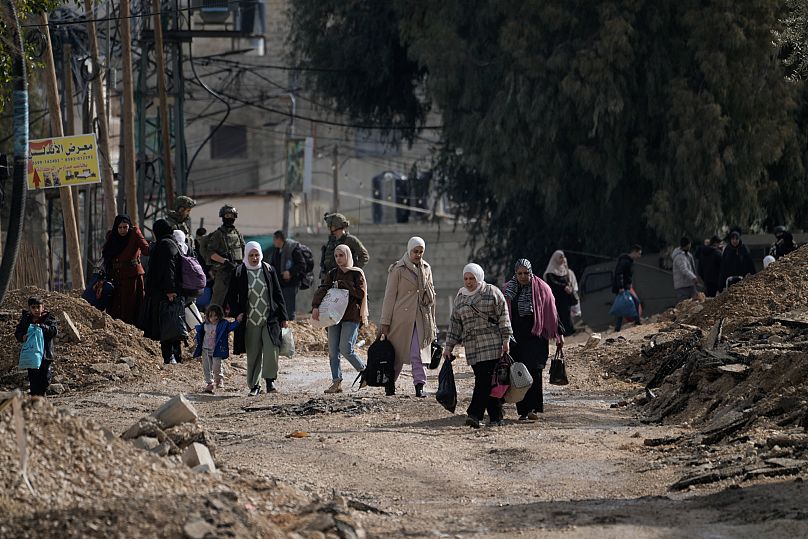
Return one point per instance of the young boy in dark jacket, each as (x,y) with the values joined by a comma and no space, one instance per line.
(36,314)
(213,346)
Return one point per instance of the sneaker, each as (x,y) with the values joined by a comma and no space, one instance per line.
(173,361)
(473,422)
(209,388)
(335,387)
(255,391)
(419,391)
(533,416)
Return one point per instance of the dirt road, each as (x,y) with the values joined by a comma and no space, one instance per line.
(411,469)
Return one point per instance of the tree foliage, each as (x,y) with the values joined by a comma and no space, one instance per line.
(598,124)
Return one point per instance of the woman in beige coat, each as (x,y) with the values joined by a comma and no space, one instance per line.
(408,313)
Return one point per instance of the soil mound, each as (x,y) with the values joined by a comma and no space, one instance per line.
(309,339)
(109,350)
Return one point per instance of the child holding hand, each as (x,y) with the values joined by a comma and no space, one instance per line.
(213,346)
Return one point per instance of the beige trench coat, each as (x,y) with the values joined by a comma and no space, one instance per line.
(400,310)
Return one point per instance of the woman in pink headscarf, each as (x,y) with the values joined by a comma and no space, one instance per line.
(535,323)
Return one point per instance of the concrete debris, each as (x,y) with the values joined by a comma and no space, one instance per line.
(197,454)
(146,443)
(68,328)
(176,411)
(593,341)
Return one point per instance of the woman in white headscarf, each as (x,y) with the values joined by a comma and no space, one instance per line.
(256,300)
(480,322)
(342,336)
(408,313)
(564,285)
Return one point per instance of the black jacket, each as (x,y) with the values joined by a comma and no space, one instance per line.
(783,246)
(710,264)
(623,273)
(164,273)
(238,300)
(291,254)
(49,330)
(736,261)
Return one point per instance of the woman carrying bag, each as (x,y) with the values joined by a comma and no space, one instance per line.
(533,314)
(564,285)
(480,322)
(121,252)
(408,314)
(342,336)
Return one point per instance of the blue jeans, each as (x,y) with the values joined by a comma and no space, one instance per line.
(341,340)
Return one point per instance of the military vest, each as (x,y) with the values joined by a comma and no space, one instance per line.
(228,242)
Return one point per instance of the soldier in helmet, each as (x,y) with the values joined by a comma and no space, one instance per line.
(225,247)
(783,242)
(337,223)
(180,218)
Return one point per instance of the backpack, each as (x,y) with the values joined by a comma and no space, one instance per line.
(381,363)
(191,273)
(307,279)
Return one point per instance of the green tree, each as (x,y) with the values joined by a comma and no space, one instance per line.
(598,124)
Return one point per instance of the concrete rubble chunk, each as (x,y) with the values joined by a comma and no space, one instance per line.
(146,443)
(176,411)
(56,389)
(196,455)
(593,341)
(68,328)
(198,529)
(204,468)
(127,360)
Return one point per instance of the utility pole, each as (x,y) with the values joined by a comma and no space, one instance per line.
(65,195)
(128,114)
(70,121)
(100,110)
(161,90)
(335,173)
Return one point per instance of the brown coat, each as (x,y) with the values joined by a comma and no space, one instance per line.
(400,310)
(351,281)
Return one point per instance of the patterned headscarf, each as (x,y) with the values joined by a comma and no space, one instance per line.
(521,293)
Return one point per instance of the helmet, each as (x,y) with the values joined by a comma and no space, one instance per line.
(184,202)
(227,208)
(779,230)
(336,220)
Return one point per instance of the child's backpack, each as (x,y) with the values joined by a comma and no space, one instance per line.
(33,349)
(192,274)
(381,362)
(307,279)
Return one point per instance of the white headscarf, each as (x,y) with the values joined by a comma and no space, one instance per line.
(179,237)
(364,311)
(768,260)
(253,246)
(414,242)
(556,267)
(479,275)
(426,289)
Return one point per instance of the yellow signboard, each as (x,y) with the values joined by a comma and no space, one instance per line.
(62,162)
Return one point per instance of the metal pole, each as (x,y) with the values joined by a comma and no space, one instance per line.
(335,172)
(65,195)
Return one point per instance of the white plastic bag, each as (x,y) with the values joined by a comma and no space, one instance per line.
(332,308)
(287,342)
(192,316)
(575,310)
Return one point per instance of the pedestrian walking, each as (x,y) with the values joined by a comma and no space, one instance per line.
(480,322)
(338,235)
(533,316)
(213,346)
(39,379)
(121,253)
(624,280)
(255,300)
(684,271)
(342,336)
(408,313)
(710,266)
(564,285)
(225,247)
(289,264)
(736,262)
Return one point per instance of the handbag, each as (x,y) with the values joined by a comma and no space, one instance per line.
(437,353)
(501,377)
(558,371)
(520,382)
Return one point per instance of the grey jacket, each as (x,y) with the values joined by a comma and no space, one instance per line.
(684,269)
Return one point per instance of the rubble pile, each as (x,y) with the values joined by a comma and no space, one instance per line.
(737,372)
(91,348)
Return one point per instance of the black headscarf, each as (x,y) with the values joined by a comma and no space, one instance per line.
(162,229)
(116,243)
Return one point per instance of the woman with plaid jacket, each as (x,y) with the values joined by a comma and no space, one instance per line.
(480,322)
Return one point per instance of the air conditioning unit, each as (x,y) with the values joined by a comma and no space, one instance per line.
(213,11)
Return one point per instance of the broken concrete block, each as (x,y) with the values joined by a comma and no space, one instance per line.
(197,454)
(127,360)
(203,468)
(176,411)
(56,389)
(68,328)
(146,443)
(593,341)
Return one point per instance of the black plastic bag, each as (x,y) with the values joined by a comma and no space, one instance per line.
(172,320)
(447,391)
(558,371)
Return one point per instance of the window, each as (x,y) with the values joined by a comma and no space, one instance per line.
(228,142)
(597,281)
